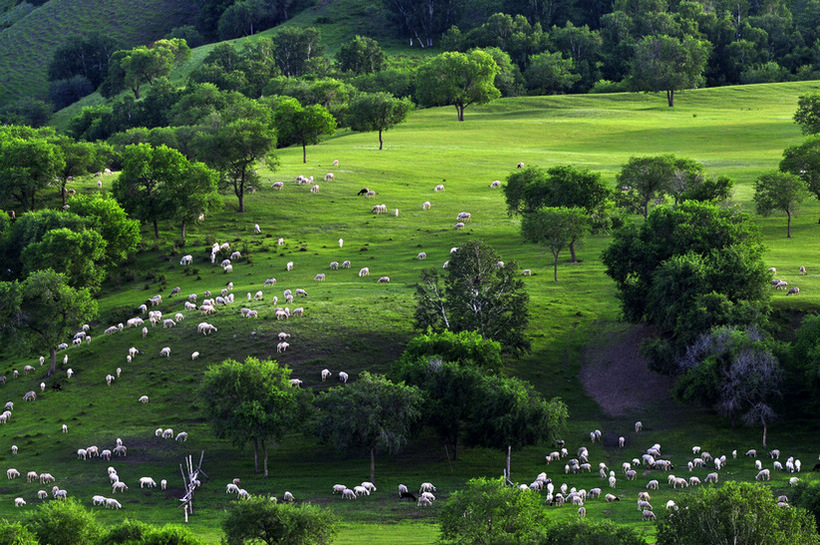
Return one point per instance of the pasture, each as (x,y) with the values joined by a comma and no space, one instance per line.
(351,323)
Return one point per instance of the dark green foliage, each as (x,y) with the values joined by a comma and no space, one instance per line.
(780,192)
(666,63)
(189,33)
(29,228)
(490,512)
(549,74)
(330,93)
(77,254)
(423,21)
(557,228)
(129,69)
(294,47)
(64,92)
(807,114)
(398,82)
(643,180)
(805,353)
(251,402)
(585,532)
(377,112)
(458,79)
(477,295)
(371,413)
(804,160)
(106,216)
(689,268)
(260,520)
(296,124)
(85,56)
(246,70)
(807,496)
(509,80)
(362,55)
(467,348)
(29,161)
(26,111)
(64,523)
(736,512)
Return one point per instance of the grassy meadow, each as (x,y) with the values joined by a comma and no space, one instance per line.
(353,324)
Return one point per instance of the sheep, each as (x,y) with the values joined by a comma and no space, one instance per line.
(643,504)
(277,186)
(631,475)
(289,265)
(111,503)
(281,347)
(105,454)
(167,323)
(295,382)
(763,475)
(19,502)
(341,243)
(427,487)
(464,216)
(243,494)
(751,453)
(426,205)
(361,491)
(280,242)
(458,226)
(325,374)
(343,377)
(781,285)
(233,489)
(166,352)
(609,498)
(348,494)
(431,497)
(346,264)
(794,291)
(772,270)
(60,494)
(147,481)
(445,265)
(612,481)
(205,328)
(793,481)
(694,481)
(315,188)
(365,271)
(121,450)
(30,396)
(334,265)
(638,426)
(369,193)
(340,488)
(383,280)
(319,277)
(109,379)
(396,212)
(802,270)
(299,311)
(439,187)
(65,428)
(14,449)
(12,473)
(46,478)
(257,230)
(235,256)
(182,436)
(168,433)
(190,306)
(31,476)
(336,163)
(648,515)
(143,399)
(175,291)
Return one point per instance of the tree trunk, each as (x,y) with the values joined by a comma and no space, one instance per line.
(765,430)
(646,209)
(788,224)
(136,92)
(555,267)
(304,153)
(670,97)
(373,465)
(381,142)
(62,192)
(156,229)
(256,454)
(455,449)
(460,108)
(509,454)
(184,230)
(573,259)
(241,197)
(265,459)
(53,368)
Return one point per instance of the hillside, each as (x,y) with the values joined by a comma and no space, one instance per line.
(353,324)
(27,47)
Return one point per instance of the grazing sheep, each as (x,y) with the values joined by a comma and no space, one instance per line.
(111,503)
(182,436)
(648,515)
(348,494)
(794,291)
(439,187)
(281,347)
(295,382)
(289,265)
(338,488)
(143,399)
(343,377)
(334,265)
(12,473)
(458,226)
(336,163)
(243,494)
(277,186)
(325,374)
(496,183)
(147,481)
(168,433)
(361,491)
(426,502)
(319,277)
(167,323)
(426,205)
(65,428)
(609,498)
(341,243)
(30,396)
(802,270)
(781,285)
(422,256)
(638,426)
(14,449)
(383,280)
(19,502)
(751,453)
(464,216)
(315,188)
(365,271)
(793,481)
(346,264)
(772,270)
(280,242)
(427,487)
(520,165)
(763,475)
(166,352)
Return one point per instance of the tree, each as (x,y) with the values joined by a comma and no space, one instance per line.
(557,228)
(304,125)
(77,254)
(805,353)
(737,512)
(133,532)
(251,401)
(29,228)
(423,20)
(28,162)
(44,309)
(466,348)
(377,112)
(64,523)
(807,496)
(260,520)
(294,47)
(489,512)
(64,92)
(194,195)
(804,160)
(244,18)
(782,192)
(107,217)
(361,56)
(512,415)
(585,531)
(807,114)
(87,56)
(14,533)
(665,63)
(459,79)
(689,268)
(129,69)
(480,293)
(79,158)
(549,74)
(645,179)
(372,413)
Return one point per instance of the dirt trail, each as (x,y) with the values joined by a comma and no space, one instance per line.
(616,376)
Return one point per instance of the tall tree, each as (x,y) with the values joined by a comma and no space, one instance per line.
(549,74)
(29,161)
(86,56)
(371,413)
(130,68)
(804,160)
(480,293)
(666,63)
(303,125)
(251,401)
(294,47)
(459,79)
(361,56)
(645,179)
(807,114)
(260,520)
(107,217)
(193,195)
(80,158)
(423,20)
(557,229)
(377,112)
(64,523)
(80,255)
(44,309)
(782,192)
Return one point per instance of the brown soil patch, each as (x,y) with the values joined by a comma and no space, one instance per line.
(616,376)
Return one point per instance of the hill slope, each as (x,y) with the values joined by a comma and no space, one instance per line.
(27,47)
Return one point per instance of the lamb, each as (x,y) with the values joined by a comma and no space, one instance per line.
(711,478)
(14,449)
(346,264)
(422,256)
(30,396)
(289,265)
(257,230)
(147,481)
(182,436)
(458,226)
(383,280)
(243,494)
(65,428)
(168,322)
(299,311)
(111,503)
(427,487)
(288,497)
(109,379)
(190,306)
(315,188)
(121,450)
(280,242)
(336,163)
(426,205)
(439,187)
(694,481)
(496,183)
(794,291)
(168,433)
(12,473)
(772,270)
(319,277)
(648,515)
(365,271)
(361,491)
(235,256)
(781,285)
(31,476)
(295,382)
(751,453)
(166,352)
(143,399)
(27,369)
(609,498)
(325,374)
(233,489)
(46,478)
(348,494)
(763,475)
(343,377)
(60,494)
(793,481)
(205,328)
(334,265)
(19,502)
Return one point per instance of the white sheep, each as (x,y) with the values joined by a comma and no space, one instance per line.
(65,428)
(30,396)
(638,426)
(763,475)
(365,271)
(334,265)
(427,487)
(496,183)
(168,433)
(166,352)
(346,264)
(319,277)
(439,187)
(464,216)
(343,377)
(12,473)
(186,260)
(167,323)
(458,226)
(348,494)
(341,242)
(42,494)
(426,205)
(325,374)
(143,399)
(147,481)
(281,347)
(338,488)
(19,502)
(289,265)
(111,503)
(383,280)
(295,382)
(182,436)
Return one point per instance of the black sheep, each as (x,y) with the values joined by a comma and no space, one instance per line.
(363,191)
(407,496)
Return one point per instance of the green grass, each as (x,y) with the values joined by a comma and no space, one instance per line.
(353,324)
(27,47)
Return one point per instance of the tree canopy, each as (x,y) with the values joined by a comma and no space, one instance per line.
(807,114)
(458,79)
(667,63)
(557,228)
(780,192)
(804,160)
(260,520)
(362,55)
(377,112)
(130,68)
(303,125)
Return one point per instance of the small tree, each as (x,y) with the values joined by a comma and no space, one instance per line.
(488,511)
(80,158)
(644,179)
(782,192)
(303,125)
(129,69)
(78,254)
(14,533)
(557,228)
(549,74)
(107,217)
(294,47)
(665,63)
(737,512)
(371,413)
(29,161)
(260,520)
(459,79)
(804,160)
(361,56)
(808,113)
(377,112)
(250,401)
(64,523)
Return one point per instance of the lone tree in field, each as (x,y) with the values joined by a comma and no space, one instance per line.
(479,293)
(371,413)
(303,125)
(377,112)
(458,79)
(259,519)
(556,228)
(44,310)
(252,401)
(781,192)
(736,512)
(665,63)
(804,160)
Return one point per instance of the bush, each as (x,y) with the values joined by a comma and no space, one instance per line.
(583,532)
(64,92)
(64,523)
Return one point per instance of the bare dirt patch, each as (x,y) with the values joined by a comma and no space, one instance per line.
(616,376)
